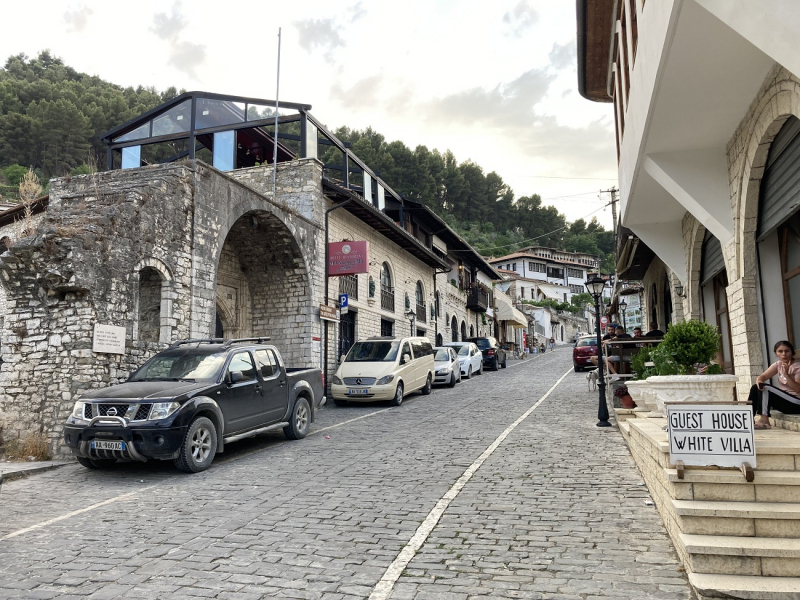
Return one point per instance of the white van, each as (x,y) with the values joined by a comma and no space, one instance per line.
(384,368)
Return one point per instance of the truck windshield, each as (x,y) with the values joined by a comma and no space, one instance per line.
(171,366)
(373,352)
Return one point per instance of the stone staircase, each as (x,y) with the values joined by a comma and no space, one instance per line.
(737,539)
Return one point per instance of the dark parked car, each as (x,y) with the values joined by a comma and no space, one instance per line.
(494,356)
(584,349)
(187,402)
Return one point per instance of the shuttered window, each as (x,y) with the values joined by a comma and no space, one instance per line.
(712,259)
(780,187)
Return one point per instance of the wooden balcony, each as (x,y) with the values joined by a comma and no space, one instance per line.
(387,300)
(477,299)
(422,315)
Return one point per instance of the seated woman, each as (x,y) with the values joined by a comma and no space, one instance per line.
(784,397)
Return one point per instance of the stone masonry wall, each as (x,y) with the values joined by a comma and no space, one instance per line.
(82,267)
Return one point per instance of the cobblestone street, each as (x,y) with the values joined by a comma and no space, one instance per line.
(556,510)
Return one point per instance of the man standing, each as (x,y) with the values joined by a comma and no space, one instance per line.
(552,344)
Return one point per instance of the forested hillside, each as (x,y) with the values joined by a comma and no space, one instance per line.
(51,116)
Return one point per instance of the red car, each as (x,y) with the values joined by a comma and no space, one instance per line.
(585,348)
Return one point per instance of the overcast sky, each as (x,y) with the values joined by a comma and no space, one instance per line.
(495,82)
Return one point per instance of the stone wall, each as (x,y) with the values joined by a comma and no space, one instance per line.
(104,235)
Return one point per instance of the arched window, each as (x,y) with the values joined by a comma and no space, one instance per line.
(420,299)
(471,331)
(149,305)
(387,291)
(439,339)
(463,331)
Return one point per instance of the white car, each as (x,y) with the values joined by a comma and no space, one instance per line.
(469,357)
(448,369)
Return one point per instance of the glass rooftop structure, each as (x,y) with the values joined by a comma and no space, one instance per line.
(233,132)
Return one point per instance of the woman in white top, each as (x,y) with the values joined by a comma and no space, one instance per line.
(785,395)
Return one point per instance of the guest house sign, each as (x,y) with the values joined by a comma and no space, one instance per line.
(718,434)
(347,258)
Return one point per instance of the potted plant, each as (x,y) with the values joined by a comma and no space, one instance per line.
(625,399)
(683,368)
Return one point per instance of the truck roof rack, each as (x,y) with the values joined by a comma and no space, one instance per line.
(256,340)
(197,341)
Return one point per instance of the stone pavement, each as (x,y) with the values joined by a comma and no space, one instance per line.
(556,511)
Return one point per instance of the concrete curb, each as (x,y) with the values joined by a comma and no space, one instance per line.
(10,471)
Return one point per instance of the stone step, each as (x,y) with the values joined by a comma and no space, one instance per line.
(763,519)
(739,555)
(746,587)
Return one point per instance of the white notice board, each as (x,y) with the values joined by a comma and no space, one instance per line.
(108,339)
(718,434)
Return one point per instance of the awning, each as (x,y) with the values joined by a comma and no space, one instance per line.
(552,291)
(512,316)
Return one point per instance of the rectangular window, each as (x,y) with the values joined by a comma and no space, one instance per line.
(386,327)
(224,149)
(577,273)
(513,266)
(132,157)
(367,187)
(381,198)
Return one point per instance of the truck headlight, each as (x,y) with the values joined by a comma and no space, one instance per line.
(77,410)
(161,410)
(385,380)
(335,380)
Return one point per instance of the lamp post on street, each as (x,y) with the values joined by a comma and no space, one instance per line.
(412,317)
(624,306)
(595,287)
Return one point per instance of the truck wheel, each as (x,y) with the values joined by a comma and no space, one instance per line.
(428,386)
(97,463)
(339,402)
(199,446)
(398,395)
(300,420)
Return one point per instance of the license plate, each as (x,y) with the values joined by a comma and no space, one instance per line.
(107,445)
(357,392)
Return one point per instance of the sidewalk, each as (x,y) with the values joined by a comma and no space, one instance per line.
(15,470)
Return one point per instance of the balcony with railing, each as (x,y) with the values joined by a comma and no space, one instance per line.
(348,284)
(477,299)
(422,315)
(387,300)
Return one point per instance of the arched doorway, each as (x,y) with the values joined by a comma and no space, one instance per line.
(439,339)
(471,331)
(454,329)
(262,284)
(463,331)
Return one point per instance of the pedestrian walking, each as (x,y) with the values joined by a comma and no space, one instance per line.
(552,344)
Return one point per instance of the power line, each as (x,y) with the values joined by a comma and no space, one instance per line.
(523,242)
(563,177)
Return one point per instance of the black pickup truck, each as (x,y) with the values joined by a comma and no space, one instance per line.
(186,402)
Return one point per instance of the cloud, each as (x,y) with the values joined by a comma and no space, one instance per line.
(185,56)
(563,56)
(362,94)
(521,18)
(357,12)
(77,19)
(509,112)
(168,26)
(319,33)
(509,104)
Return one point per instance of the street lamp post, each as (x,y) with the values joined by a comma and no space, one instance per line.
(412,317)
(624,306)
(595,287)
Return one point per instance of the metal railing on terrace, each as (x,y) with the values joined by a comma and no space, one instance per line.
(387,300)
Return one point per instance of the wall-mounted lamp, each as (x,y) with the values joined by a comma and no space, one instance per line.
(679,289)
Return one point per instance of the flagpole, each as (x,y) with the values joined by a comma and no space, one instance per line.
(275,135)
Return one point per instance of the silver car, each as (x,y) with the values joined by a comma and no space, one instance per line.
(446,367)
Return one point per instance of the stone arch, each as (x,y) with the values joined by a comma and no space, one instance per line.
(694,265)
(779,101)
(454,328)
(463,330)
(262,282)
(153,285)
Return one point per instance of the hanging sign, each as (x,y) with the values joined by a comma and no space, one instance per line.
(328,313)
(347,258)
(703,434)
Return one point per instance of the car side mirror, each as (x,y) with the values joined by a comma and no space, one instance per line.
(406,359)
(234,377)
